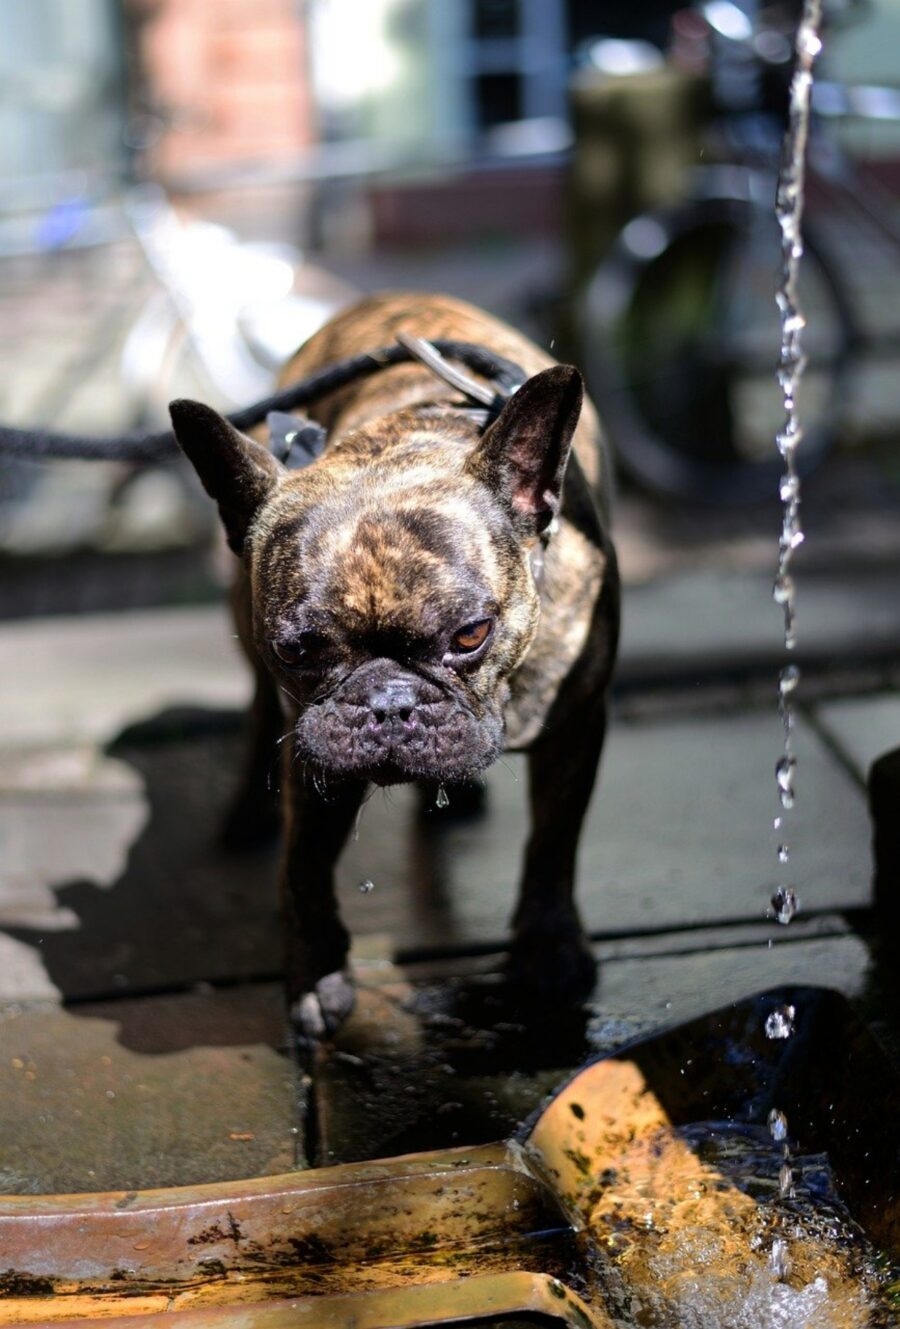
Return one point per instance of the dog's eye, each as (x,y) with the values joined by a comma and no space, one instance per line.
(472,636)
(299,652)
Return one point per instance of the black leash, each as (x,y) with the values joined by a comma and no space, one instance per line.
(35,444)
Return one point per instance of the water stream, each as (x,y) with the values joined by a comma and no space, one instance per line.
(791,364)
(789,212)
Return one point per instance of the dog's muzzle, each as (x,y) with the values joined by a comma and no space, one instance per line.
(389,725)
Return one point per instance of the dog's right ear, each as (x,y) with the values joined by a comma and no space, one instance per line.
(234,470)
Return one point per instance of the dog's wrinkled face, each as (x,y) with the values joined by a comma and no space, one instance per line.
(393,619)
(391,587)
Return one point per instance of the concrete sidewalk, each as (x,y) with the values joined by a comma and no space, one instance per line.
(142,1039)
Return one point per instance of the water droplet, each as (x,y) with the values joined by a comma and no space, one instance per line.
(442,798)
(783,589)
(784,853)
(784,778)
(780,1022)
(779,1260)
(789,488)
(778,1125)
(366,886)
(785,904)
(786,1181)
(788,679)
(776,824)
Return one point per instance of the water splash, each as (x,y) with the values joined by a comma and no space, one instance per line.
(779,1260)
(784,778)
(780,1022)
(778,1125)
(788,682)
(785,904)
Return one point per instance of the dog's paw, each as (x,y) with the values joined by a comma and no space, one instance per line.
(551,965)
(319,1013)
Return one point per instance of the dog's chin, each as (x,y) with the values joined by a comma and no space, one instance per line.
(398,764)
(387,773)
(391,773)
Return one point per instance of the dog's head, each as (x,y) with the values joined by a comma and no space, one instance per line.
(392,592)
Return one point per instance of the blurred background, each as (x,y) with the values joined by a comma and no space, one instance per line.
(189,188)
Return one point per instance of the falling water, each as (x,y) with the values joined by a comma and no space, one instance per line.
(789,211)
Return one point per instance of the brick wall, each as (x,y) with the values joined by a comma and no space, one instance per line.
(230,77)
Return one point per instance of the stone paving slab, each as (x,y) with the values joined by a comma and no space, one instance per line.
(90,675)
(117,894)
(158,1092)
(679,834)
(862,728)
(175,1090)
(125,888)
(434,1063)
(71,680)
(713,620)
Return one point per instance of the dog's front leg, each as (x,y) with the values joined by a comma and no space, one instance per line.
(550,956)
(319,986)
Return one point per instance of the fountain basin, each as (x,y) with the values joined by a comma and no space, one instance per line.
(553,1222)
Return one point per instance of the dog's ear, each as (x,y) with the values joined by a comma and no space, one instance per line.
(234,470)
(523,454)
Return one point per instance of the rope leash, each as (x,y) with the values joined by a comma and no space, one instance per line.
(37,444)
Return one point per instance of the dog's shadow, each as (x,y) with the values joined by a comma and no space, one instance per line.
(185,913)
(182,912)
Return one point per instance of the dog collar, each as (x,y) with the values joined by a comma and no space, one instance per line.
(140,445)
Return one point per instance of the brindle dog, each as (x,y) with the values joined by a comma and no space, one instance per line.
(408,613)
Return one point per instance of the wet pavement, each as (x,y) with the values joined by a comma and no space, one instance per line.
(142,1037)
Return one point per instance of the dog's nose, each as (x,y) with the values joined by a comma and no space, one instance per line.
(392,701)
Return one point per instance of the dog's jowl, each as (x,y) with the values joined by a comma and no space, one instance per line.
(436,586)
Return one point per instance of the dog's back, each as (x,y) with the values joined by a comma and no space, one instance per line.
(375,321)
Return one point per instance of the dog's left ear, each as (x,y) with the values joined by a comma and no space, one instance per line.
(522,456)
(234,470)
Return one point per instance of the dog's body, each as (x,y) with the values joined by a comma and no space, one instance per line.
(407,615)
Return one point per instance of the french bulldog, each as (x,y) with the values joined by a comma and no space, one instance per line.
(428,593)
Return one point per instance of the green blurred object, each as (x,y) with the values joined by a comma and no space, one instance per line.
(636,136)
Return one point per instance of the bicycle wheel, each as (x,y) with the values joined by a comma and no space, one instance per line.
(680,338)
